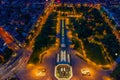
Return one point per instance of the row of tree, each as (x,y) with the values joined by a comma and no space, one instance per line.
(46,38)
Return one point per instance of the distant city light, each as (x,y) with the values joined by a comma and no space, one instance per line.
(58,0)
(116,54)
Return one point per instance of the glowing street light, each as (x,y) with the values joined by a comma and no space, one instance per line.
(41,72)
(85,71)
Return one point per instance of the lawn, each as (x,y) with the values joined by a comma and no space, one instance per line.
(45,39)
(92,25)
(94,52)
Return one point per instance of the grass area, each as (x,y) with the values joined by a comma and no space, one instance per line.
(111,44)
(94,52)
(45,39)
(92,25)
(77,45)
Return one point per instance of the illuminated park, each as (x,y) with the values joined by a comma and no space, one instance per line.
(59,40)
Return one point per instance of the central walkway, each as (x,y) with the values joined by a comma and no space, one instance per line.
(63,69)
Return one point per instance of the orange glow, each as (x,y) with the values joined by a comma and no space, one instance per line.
(36,71)
(1,57)
(58,0)
(6,36)
(106,78)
